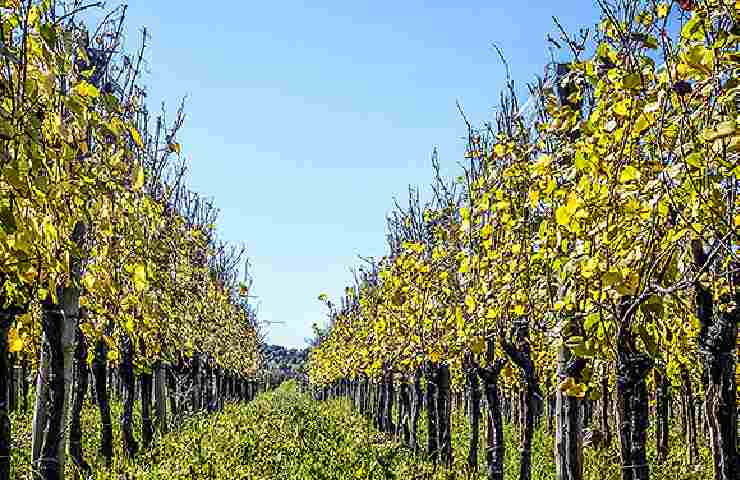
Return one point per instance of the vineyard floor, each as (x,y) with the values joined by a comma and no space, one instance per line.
(285,434)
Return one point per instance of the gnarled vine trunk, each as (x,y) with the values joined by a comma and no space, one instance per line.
(521,356)
(717,343)
(53,327)
(146,381)
(404,404)
(431,374)
(444,403)
(24,383)
(494,419)
(568,423)
(6,319)
(172,392)
(473,399)
(160,395)
(389,400)
(632,369)
(100,377)
(605,430)
(75,429)
(195,393)
(416,406)
(130,447)
(12,403)
(661,415)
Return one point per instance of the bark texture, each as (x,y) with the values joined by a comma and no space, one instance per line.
(53,326)
(520,354)
(431,373)
(661,416)
(81,385)
(147,425)
(100,378)
(568,424)
(473,399)
(632,368)
(495,434)
(6,318)
(128,379)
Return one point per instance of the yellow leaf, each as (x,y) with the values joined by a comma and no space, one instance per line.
(470,303)
(628,174)
(15,342)
(551,186)
(643,122)
(175,147)
(30,275)
(136,137)
(88,281)
(139,278)
(542,165)
(486,231)
(534,197)
(566,384)
(138,178)
(622,108)
(562,215)
(662,10)
(580,161)
(465,265)
(435,356)
(611,278)
(85,89)
(577,390)
(589,267)
(459,319)
(478,346)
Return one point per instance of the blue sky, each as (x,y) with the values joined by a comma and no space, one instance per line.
(304,121)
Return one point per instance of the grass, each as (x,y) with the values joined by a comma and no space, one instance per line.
(285,434)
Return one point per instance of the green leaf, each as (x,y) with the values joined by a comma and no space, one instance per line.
(8,220)
(695,159)
(630,82)
(590,321)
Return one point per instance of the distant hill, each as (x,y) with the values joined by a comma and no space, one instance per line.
(288,361)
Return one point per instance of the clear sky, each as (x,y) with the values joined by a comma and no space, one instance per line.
(305,119)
